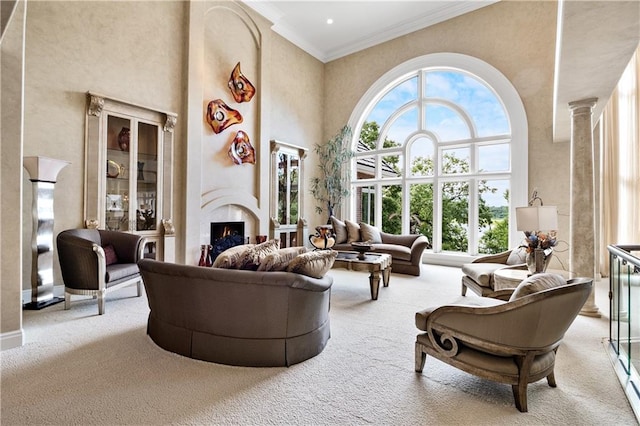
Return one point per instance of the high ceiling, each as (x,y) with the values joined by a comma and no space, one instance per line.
(596,39)
(357,24)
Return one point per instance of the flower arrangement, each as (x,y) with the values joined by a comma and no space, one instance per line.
(545,241)
(541,240)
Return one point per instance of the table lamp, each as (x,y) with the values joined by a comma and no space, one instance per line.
(534,219)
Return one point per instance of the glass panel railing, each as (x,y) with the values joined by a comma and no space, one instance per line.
(624,318)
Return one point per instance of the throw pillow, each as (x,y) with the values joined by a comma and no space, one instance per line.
(353,231)
(252,258)
(279,260)
(370,233)
(517,256)
(314,264)
(110,254)
(536,283)
(231,257)
(339,229)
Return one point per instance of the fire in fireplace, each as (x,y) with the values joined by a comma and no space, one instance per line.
(225,235)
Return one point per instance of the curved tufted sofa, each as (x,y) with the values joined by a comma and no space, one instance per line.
(236,317)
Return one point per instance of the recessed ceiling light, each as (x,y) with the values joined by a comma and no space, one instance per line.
(329,21)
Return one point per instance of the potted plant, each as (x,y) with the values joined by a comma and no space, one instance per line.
(331,184)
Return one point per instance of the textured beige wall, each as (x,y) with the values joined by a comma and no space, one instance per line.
(10,177)
(297,88)
(518,39)
(133,51)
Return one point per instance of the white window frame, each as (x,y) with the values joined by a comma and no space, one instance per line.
(516,115)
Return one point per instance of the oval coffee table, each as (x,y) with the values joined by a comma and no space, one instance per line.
(374,263)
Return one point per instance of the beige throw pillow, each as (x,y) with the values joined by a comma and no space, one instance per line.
(279,260)
(517,256)
(230,258)
(536,283)
(370,233)
(353,231)
(339,229)
(314,264)
(257,253)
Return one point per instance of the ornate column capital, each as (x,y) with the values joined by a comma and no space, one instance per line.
(582,106)
(168,227)
(170,122)
(96,103)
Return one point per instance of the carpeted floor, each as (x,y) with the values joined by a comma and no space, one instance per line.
(79,368)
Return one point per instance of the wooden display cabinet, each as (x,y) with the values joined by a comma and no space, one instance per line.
(129,166)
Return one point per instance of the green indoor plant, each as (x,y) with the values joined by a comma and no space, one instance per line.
(331,184)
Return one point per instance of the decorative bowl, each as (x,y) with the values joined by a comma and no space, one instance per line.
(362,248)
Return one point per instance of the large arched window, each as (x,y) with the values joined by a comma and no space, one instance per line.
(441,149)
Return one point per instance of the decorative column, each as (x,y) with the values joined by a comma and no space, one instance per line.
(582,251)
(43,172)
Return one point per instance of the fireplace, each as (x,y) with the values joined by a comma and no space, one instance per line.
(225,235)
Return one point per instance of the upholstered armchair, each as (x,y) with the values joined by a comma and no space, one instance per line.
(94,262)
(513,342)
(478,275)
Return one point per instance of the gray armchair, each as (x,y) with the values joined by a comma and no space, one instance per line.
(94,262)
(478,275)
(512,342)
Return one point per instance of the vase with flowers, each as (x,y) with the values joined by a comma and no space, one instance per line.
(539,247)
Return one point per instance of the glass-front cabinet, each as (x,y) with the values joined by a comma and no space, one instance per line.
(129,151)
(287,224)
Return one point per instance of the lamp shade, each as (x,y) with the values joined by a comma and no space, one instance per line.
(539,218)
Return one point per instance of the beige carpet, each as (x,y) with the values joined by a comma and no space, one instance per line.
(79,368)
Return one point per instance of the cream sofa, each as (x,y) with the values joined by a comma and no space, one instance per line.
(405,250)
(236,317)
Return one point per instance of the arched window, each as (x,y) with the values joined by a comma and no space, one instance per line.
(441,149)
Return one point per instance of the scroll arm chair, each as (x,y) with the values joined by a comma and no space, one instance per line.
(95,262)
(512,342)
(478,275)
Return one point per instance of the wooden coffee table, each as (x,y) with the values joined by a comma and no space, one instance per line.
(374,263)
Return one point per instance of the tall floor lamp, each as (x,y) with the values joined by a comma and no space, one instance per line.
(43,173)
(535,219)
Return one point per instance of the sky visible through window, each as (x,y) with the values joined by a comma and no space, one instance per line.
(451,98)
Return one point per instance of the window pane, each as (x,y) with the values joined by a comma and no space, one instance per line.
(421,156)
(421,209)
(366,167)
(494,158)
(445,123)
(401,128)
(392,166)
(455,161)
(293,194)
(493,232)
(392,209)
(455,216)
(366,204)
(475,97)
(401,94)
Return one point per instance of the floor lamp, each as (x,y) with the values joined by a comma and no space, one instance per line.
(534,219)
(43,173)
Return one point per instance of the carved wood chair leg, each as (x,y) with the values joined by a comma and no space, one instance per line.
(421,357)
(101,302)
(520,390)
(551,379)
(520,396)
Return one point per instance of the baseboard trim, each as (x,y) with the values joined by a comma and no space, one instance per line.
(12,339)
